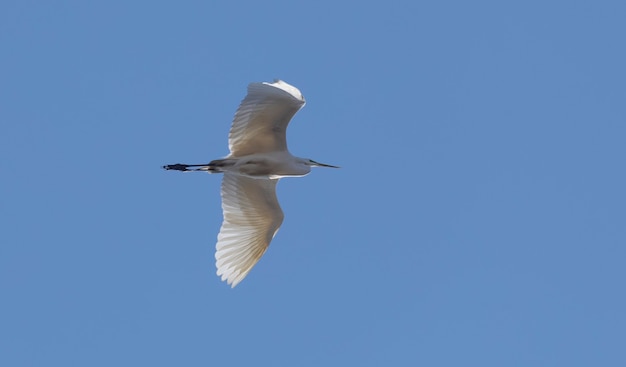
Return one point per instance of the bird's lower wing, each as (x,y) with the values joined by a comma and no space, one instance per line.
(252,217)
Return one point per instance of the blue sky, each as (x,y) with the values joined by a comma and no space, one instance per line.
(478,218)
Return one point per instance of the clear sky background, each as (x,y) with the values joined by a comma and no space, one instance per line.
(479,218)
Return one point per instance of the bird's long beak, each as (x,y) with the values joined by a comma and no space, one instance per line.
(317,164)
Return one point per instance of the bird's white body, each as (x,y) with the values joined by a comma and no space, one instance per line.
(258,158)
(271,165)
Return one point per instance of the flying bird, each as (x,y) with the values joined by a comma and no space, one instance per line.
(258,159)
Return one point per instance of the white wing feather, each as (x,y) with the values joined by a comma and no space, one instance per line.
(252,217)
(261,120)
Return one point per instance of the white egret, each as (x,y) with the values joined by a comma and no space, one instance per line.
(258,159)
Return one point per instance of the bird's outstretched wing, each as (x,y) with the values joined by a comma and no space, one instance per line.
(261,120)
(252,217)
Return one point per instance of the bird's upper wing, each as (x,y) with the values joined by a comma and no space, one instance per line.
(252,217)
(261,120)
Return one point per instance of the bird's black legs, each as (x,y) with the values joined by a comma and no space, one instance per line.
(185,167)
(215,166)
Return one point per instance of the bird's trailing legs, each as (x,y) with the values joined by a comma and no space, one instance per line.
(185,167)
(215,166)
